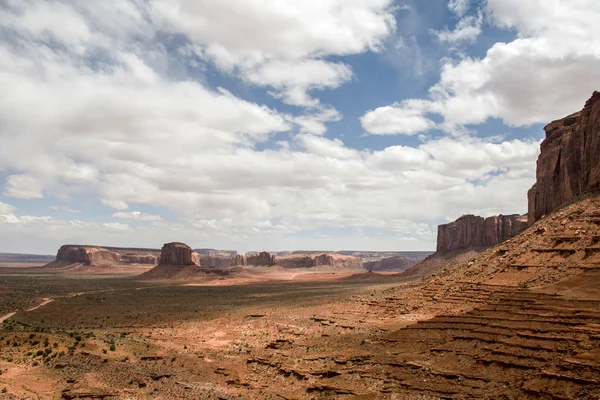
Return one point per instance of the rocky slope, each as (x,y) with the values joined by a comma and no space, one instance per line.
(569,162)
(470,231)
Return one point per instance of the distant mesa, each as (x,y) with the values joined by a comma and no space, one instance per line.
(238,260)
(261,259)
(473,232)
(395,263)
(320,261)
(72,256)
(179,262)
(178,254)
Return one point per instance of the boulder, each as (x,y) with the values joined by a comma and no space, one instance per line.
(178,254)
(569,160)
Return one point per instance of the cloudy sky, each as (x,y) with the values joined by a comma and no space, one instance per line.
(278,124)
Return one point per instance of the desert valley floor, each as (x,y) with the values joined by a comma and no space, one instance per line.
(483,329)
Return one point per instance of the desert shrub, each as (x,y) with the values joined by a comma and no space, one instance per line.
(35,364)
(112,347)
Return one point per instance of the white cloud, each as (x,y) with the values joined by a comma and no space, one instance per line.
(459,7)
(466,30)
(405,118)
(542,75)
(293,79)
(6,209)
(280,44)
(113,121)
(136,216)
(23,186)
(65,208)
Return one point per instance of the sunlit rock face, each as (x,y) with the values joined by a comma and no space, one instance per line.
(569,161)
(473,232)
(178,254)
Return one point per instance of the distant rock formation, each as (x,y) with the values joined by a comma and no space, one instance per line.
(470,231)
(176,253)
(320,261)
(216,253)
(390,264)
(238,260)
(102,256)
(215,261)
(263,258)
(569,162)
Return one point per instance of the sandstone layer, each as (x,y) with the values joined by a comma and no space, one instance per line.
(102,256)
(178,254)
(470,231)
(319,261)
(238,260)
(390,264)
(569,161)
(261,259)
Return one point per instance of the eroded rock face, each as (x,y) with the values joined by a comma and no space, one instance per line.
(569,162)
(139,259)
(98,256)
(238,260)
(337,261)
(262,258)
(471,232)
(178,254)
(390,264)
(214,261)
(87,255)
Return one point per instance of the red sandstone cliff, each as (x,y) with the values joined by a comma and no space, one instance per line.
(101,256)
(178,254)
(569,162)
(262,258)
(470,231)
(321,261)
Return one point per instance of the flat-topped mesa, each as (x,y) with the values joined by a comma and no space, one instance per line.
(336,261)
(261,259)
(178,254)
(473,232)
(238,260)
(569,161)
(87,255)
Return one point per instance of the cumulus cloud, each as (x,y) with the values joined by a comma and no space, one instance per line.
(543,74)
(405,118)
(6,208)
(466,30)
(136,216)
(280,44)
(65,208)
(459,7)
(115,121)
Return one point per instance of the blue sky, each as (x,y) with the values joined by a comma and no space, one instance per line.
(278,125)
